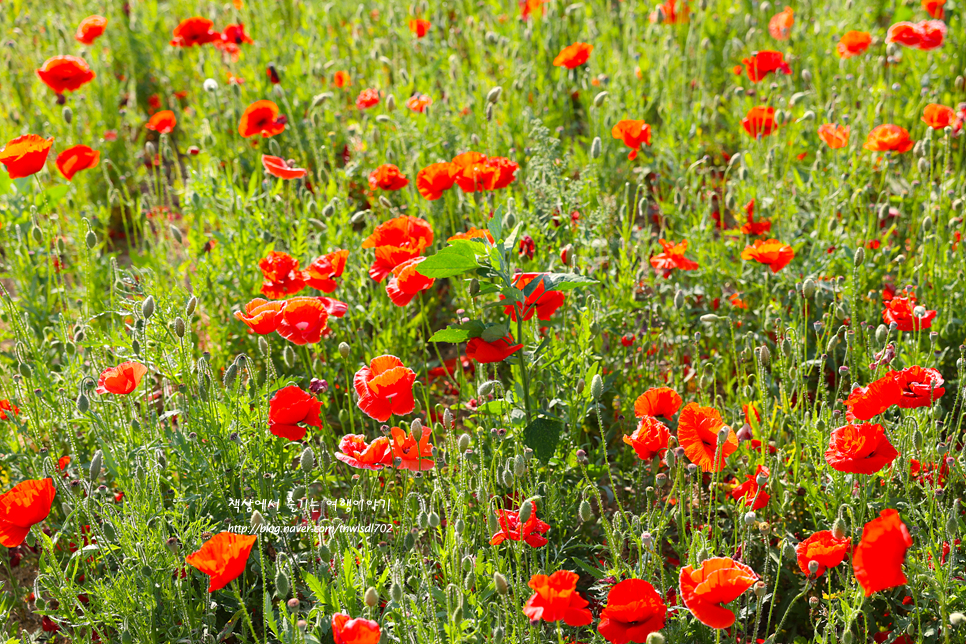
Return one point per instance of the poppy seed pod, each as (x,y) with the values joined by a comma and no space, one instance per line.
(808,288)
(597,387)
(396,592)
(492,523)
(519,465)
(176,234)
(231,374)
(595,148)
(371,597)
(282,584)
(494,94)
(91,239)
(809,115)
(190,306)
(95,470)
(464,442)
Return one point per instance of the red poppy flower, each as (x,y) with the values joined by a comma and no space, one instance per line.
(750,492)
(770,252)
(859,449)
(488,352)
(500,173)
(938,116)
(475,171)
(634,134)
(474,233)
(657,401)
(924,36)
(529,8)
(385,388)
(418,102)
(90,29)
(649,439)
(765,62)
(278,167)
(634,610)
(261,117)
(753,227)
(556,599)
(25,155)
(321,273)
(194,31)
(396,241)
(780,25)
(235,34)
(573,55)
(760,120)
(26,504)
(367,98)
(342,79)
(303,320)
(387,177)
(260,315)
(877,562)
(672,15)
(835,136)
(901,310)
(719,580)
(419,27)
(673,257)
(406,282)
(162,122)
(222,558)
(920,387)
(529,532)
(853,43)
(888,138)
(65,73)
(346,630)
(282,275)
(935,8)
(354,451)
(867,402)
(63,462)
(543,303)
(824,549)
(413,455)
(291,408)
(435,179)
(7,406)
(77,158)
(698,429)
(122,379)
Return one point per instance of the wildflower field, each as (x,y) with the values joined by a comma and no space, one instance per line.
(482,322)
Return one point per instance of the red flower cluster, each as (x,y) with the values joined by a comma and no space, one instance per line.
(300,320)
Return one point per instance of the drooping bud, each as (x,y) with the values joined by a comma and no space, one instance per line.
(282,584)
(95,470)
(586,512)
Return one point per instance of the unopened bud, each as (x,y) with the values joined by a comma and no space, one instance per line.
(257,519)
(371,597)
(390,103)
(599,99)
(282,584)
(595,148)
(585,511)
(95,470)
(597,387)
(307,460)
(500,582)
(344,350)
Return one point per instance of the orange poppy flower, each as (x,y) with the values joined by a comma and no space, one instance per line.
(260,315)
(387,177)
(90,29)
(412,455)
(835,136)
(278,167)
(924,36)
(901,310)
(877,562)
(474,233)
(346,630)
(889,138)
(657,401)
(76,158)
(281,274)
(23,506)
(501,172)
(530,532)
(864,403)
(938,116)
(406,282)
(367,98)
(194,31)
(649,439)
(419,27)
(573,55)
(7,406)
(853,43)
(25,155)
(824,549)
(341,79)
(122,379)
(162,122)
(303,320)
(719,580)
(222,558)
(291,408)
(765,62)
(634,610)
(633,134)
(935,8)
(540,301)
(385,388)
(698,429)
(396,241)
(261,117)
(920,387)
(673,257)
(435,179)
(770,252)
(475,171)
(321,273)
(750,492)
(556,599)
(780,25)
(737,302)
(488,352)
(529,8)
(355,452)
(65,73)
(859,449)
(418,102)
(760,120)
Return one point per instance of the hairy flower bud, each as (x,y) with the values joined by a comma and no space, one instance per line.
(597,386)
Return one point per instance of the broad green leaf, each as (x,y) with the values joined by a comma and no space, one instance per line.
(450,261)
(315,586)
(450,334)
(542,436)
(494,332)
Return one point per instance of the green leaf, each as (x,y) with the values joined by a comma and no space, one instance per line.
(542,436)
(596,573)
(270,613)
(315,586)
(6,184)
(450,261)
(459,332)
(494,332)
(495,225)
(557,282)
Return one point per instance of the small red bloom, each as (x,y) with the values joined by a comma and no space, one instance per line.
(824,549)
(760,120)
(65,73)
(278,167)
(282,276)
(222,558)
(853,43)
(935,8)
(355,452)
(261,117)
(387,177)
(23,506)
(122,379)
(877,562)
(385,388)
(769,252)
(395,241)
(750,492)
(698,429)
(418,102)
(865,403)
(412,455)
(7,406)
(321,273)
(303,320)
(90,29)
(194,31)
(556,599)
(540,301)
(657,401)
(719,580)
(419,27)
(835,136)
(77,158)
(938,116)
(901,310)
(162,122)
(919,386)
(765,62)
(529,532)
(573,55)
(634,610)
(435,179)
(673,257)
(649,439)
(260,315)
(780,25)
(346,630)
(633,133)
(889,138)
(367,98)
(488,352)
(289,410)
(406,282)
(924,36)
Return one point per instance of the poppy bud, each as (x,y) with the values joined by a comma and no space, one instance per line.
(390,103)
(710,318)
(498,635)
(257,520)
(83,404)
(371,597)
(433,520)
(448,419)
(519,465)
(25,370)
(927,224)
(91,239)
(525,511)
(282,584)
(739,91)
(655,638)
(580,386)
(585,512)
(422,520)
(806,76)
(231,374)
(68,114)
(597,386)
(494,94)
(489,111)
(923,166)
(95,470)
(809,115)
(190,306)
(600,98)
(595,148)
(307,460)
(659,15)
